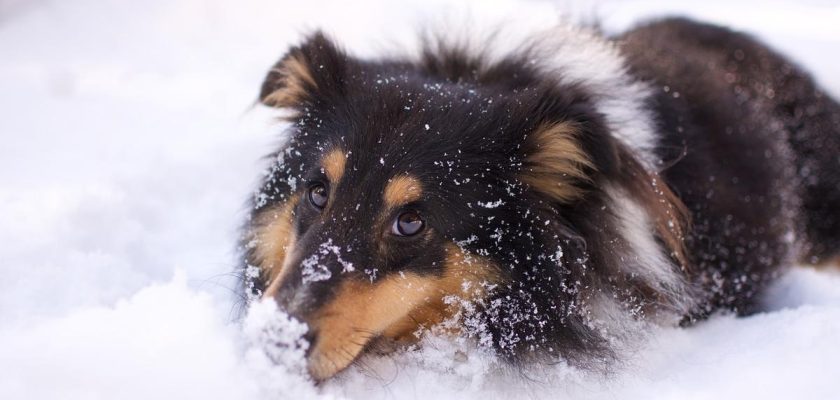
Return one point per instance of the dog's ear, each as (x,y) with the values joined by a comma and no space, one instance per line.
(555,163)
(311,71)
(563,161)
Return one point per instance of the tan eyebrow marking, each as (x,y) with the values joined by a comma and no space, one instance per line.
(333,164)
(401,190)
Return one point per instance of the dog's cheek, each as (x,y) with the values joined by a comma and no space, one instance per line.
(360,311)
(466,279)
(274,237)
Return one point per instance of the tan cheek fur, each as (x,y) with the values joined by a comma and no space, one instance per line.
(395,307)
(275,237)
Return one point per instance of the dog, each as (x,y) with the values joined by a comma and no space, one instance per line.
(538,197)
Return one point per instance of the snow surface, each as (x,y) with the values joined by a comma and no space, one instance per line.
(130,144)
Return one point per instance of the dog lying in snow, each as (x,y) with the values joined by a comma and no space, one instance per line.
(539,195)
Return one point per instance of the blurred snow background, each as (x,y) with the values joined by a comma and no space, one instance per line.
(128,146)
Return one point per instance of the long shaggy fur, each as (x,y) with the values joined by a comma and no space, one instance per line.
(587,181)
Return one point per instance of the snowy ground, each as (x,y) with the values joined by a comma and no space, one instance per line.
(129,145)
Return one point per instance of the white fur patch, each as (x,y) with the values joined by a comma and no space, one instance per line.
(646,258)
(583,56)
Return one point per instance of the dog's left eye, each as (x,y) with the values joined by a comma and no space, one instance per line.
(318,195)
(407,224)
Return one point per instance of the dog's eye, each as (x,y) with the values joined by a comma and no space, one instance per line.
(318,195)
(407,224)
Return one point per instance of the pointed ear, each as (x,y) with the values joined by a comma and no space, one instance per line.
(554,162)
(311,71)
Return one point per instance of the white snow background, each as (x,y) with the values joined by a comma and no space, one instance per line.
(129,145)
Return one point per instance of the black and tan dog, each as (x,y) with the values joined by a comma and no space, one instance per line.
(542,195)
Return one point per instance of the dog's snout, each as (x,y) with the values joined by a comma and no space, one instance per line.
(308,285)
(295,299)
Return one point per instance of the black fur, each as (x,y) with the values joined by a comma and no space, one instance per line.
(756,146)
(747,142)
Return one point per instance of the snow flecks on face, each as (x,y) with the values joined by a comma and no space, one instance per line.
(252,272)
(491,204)
(463,243)
(371,273)
(279,181)
(312,270)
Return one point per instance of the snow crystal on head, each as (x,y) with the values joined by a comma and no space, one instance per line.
(491,204)
(313,270)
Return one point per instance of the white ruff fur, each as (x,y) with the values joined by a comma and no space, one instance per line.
(582,56)
(647,260)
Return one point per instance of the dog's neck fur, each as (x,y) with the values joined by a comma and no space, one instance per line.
(582,56)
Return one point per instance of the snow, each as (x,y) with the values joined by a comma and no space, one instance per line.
(130,145)
(491,204)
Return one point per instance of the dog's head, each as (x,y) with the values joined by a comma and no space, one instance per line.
(405,185)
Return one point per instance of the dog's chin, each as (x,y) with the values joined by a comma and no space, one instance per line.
(334,353)
(323,364)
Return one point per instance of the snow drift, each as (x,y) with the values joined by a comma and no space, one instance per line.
(129,147)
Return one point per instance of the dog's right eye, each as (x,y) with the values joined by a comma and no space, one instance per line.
(407,224)
(318,195)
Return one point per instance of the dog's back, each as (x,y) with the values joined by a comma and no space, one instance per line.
(755,147)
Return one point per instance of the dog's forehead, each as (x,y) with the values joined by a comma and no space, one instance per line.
(446,134)
(420,94)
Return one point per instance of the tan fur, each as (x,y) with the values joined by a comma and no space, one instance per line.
(829,263)
(333,164)
(401,190)
(556,162)
(291,77)
(670,217)
(274,238)
(394,307)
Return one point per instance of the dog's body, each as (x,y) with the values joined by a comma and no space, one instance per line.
(540,198)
